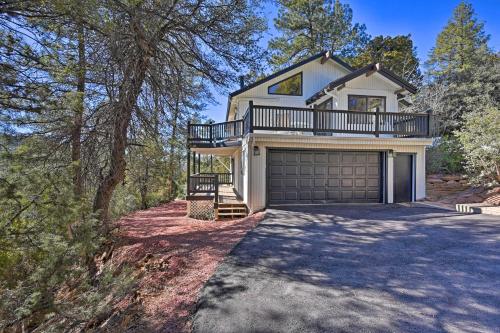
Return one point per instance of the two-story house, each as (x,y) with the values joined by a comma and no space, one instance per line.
(317,132)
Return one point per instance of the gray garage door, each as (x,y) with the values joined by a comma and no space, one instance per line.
(306,176)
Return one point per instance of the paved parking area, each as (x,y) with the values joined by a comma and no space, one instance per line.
(359,269)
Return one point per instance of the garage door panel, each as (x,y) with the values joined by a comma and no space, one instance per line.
(333,182)
(305,195)
(333,195)
(360,182)
(347,195)
(334,158)
(304,183)
(372,182)
(360,158)
(306,170)
(373,158)
(323,176)
(359,194)
(321,158)
(347,171)
(291,170)
(348,158)
(333,170)
(276,170)
(291,157)
(360,171)
(373,171)
(276,157)
(319,195)
(276,196)
(320,170)
(306,157)
(319,182)
(347,182)
(276,183)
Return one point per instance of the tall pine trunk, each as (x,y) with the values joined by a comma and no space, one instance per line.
(171,160)
(130,88)
(76,131)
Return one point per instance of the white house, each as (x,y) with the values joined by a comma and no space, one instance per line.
(317,132)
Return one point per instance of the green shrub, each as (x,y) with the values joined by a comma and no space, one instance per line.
(480,137)
(445,156)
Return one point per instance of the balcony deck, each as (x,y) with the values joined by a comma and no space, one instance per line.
(312,121)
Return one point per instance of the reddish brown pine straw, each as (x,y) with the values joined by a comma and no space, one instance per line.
(175,256)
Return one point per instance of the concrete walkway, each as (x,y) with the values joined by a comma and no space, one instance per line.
(359,269)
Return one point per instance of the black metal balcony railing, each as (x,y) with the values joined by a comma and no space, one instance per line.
(319,122)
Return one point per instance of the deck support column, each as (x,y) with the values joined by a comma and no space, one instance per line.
(188,176)
(194,162)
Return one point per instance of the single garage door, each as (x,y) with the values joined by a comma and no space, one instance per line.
(307,176)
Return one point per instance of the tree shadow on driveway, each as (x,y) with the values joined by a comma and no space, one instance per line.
(359,268)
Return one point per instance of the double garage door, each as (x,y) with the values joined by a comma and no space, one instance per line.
(316,176)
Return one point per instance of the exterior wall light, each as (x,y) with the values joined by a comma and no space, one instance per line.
(256,151)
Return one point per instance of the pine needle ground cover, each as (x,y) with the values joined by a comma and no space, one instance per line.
(173,256)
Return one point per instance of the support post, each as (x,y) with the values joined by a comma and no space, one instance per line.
(188,175)
(250,104)
(194,162)
(216,184)
(211,134)
(315,119)
(211,163)
(199,163)
(188,171)
(377,122)
(429,123)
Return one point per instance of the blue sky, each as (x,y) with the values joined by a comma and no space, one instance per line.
(422,19)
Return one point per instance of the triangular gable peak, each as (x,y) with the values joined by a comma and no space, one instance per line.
(335,67)
(400,85)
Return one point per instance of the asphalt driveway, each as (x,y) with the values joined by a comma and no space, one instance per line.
(359,269)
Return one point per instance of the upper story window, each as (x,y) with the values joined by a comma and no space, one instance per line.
(366,103)
(290,86)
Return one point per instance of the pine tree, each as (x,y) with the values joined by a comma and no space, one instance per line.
(463,68)
(460,44)
(395,53)
(311,26)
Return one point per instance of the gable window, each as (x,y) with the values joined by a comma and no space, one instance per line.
(366,103)
(290,86)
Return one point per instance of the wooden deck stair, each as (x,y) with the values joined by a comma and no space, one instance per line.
(230,211)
